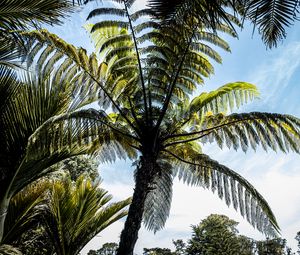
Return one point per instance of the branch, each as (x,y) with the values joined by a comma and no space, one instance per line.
(139,61)
(168,98)
(208,129)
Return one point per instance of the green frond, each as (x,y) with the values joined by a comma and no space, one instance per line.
(271,18)
(159,199)
(78,212)
(106,11)
(270,130)
(212,38)
(109,23)
(24,210)
(199,169)
(207,50)
(16,15)
(141,14)
(146,25)
(116,40)
(227,97)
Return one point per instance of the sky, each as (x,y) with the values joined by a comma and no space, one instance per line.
(275,175)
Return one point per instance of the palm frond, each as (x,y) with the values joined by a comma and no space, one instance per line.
(24,210)
(78,212)
(159,199)
(271,18)
(6,249)
(17,14)
(209,13)
(199,169)
(270,130)
(227,97)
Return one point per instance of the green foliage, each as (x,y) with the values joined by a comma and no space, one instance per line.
(271,247)
(106,249)
(79,211)
(214,235)
(270,17)
(22,14)
(145,73)
(35,241)
(217,234)
(9,250)
(157,251)
(77,166)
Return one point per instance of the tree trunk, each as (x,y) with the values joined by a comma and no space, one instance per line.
(129,235)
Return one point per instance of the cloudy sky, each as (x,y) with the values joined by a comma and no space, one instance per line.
(275,175)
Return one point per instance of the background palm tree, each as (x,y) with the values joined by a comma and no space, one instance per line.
(78,212)
(69,213)
(26,105)
(271,17)
(148,83)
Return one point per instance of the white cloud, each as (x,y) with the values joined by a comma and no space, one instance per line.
(273,75)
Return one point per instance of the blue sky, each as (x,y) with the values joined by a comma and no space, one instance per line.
(275,175)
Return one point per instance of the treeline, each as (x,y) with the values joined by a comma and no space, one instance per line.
(215,235)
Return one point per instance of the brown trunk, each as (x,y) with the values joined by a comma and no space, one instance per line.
(129,235)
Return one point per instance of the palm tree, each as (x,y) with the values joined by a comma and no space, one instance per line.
(60,207)
(78,212)
(25,107)
(270,17)
(151,72)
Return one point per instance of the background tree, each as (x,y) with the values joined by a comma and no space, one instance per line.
(180,247)
(298,239)
(92,252)
(157,251)
(247,246)
(77,166)
(108,249)
(51,212)
(271,246)
(217,234)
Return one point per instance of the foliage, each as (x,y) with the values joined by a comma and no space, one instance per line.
(22,14)
(298,239)
(271,247)
(77,212)
(217,234)
(106,249)
(9,250)
(66,221)
(77,166)
(157,251)
(147,75)
(28,106)
(214,235)
(35,241)
(271,17)
(180,247)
